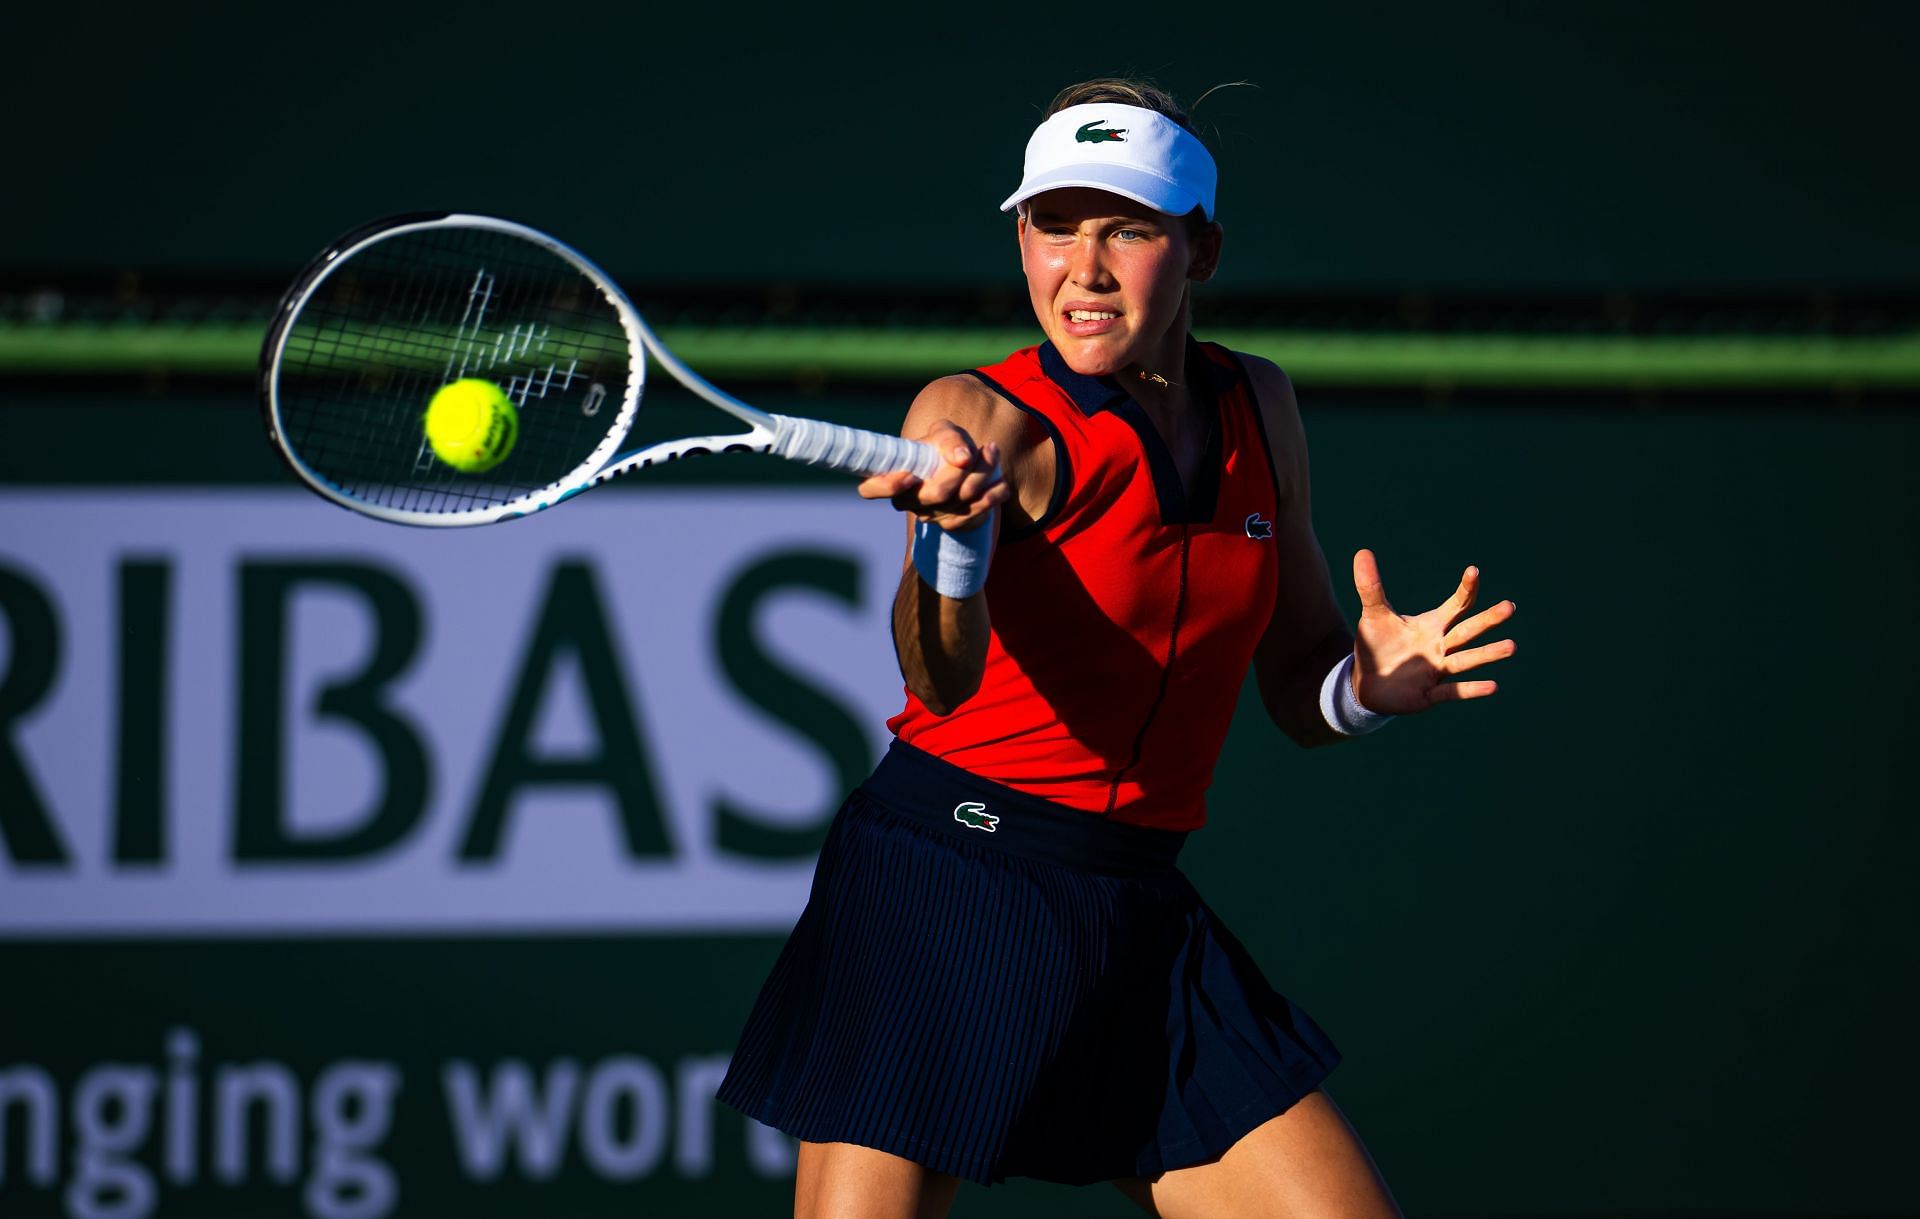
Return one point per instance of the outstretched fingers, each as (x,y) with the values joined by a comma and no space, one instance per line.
(1366,582)
(1473,658)
(1479,624)
(1462,599)
(1457,691)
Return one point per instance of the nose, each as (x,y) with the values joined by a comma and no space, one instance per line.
(1085,265)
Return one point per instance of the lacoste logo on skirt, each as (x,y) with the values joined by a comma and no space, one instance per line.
(975,816)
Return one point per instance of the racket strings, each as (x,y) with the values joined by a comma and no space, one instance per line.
(418,309)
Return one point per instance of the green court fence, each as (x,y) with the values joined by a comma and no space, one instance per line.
(1321,357)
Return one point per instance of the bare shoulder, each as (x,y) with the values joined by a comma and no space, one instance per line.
(1280,412)
(1026,450)
(1272,389)
(963,400)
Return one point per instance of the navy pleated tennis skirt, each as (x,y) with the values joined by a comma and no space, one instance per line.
(995,986)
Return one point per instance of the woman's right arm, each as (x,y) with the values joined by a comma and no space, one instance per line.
(991,457)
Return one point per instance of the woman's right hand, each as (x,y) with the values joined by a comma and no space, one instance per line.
(941,642)
(960,495)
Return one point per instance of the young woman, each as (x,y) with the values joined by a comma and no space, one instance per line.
(1000,970)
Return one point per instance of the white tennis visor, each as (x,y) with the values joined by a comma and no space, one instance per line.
(1129,150)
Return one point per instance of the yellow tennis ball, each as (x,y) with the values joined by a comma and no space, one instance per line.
(472,425)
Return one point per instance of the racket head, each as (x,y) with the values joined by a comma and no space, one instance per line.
(390,312)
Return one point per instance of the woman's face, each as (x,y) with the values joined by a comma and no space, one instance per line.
(1108,277)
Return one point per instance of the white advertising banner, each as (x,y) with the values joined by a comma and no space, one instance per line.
(237,712)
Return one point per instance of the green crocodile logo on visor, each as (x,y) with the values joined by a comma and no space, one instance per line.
(1088,134)
(974,815)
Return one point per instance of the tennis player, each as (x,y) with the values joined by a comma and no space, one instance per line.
(1000,970)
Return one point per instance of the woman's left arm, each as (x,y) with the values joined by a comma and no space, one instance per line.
(1307,634)
(1400,664)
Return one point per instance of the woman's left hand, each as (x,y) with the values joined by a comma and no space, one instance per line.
(1401,662)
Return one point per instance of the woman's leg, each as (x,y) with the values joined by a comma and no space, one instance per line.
(848,1181)
(1307,1162)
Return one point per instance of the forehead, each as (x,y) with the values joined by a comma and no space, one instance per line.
(1072,204)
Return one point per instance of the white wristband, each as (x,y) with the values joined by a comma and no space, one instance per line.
(1340,708)
(953,564)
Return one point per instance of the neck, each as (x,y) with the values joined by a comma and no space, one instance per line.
(1161,376)
(1163,369)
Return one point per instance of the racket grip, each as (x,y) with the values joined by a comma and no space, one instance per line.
(850,450)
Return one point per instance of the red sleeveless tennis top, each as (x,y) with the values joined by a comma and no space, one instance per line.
(1125,618)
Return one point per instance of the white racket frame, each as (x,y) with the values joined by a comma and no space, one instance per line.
(850,450)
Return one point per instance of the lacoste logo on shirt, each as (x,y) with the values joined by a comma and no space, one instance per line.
(1089,135)
(1258,529)
(975,816)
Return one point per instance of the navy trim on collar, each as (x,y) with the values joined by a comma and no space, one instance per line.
(1095,394)
(1179,504)
(1091,394)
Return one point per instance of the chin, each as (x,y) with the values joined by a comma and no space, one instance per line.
(1089,359)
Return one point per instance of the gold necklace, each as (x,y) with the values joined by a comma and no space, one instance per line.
(1157,379)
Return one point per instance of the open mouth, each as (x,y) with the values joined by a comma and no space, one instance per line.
(1085,319)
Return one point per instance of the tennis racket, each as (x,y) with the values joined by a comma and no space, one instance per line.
(391,312)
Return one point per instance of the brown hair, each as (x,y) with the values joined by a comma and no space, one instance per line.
(1125,91)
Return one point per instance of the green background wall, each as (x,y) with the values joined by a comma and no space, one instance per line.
(1462,145)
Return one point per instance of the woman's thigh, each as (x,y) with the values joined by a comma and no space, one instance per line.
(848,1181)
(1307,1162)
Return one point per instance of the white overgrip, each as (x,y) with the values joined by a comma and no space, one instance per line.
(850,450)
